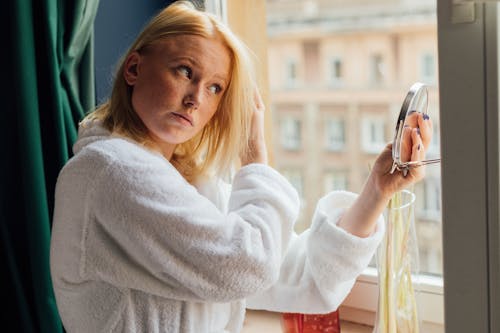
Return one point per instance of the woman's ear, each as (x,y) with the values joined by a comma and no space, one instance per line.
(130,71)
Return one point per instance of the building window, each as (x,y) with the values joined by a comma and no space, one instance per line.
(291,73)
(377,69)
(335,134)
(373,134)
(335,181)
(428,68)
(336,72)
(434,147)
(290,133)
(431,198)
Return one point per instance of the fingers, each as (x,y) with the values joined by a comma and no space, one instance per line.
(418,151)
(406,144)
(259,104)
(256,151)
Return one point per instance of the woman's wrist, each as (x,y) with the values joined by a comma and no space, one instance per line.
(374,192)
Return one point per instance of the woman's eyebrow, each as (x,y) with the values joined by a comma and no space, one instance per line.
(186,58)
(221,77)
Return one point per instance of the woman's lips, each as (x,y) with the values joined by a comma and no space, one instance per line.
(184,118)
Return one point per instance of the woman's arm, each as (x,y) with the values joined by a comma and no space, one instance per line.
(150,230)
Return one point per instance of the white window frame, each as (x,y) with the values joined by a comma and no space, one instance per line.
(218,8)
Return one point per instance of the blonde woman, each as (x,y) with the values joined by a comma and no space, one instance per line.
(147,237)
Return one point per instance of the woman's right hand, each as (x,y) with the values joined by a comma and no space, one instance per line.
(256,151)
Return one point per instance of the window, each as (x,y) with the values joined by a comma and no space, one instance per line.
(431,198)
(335,134)
(291,73)
(290,133)
(336,180)
(377,69)
(428,68)
(336,71)
(468,81)
(373,134)
(382,77)
(388,48)
(434,149)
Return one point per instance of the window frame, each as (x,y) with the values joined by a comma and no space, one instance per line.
(369,122)
(335,145)
(426,77)
(291,73)
(290,133)
(468,34)
(335,75)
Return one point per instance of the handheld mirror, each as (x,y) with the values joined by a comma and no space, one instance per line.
(415,102)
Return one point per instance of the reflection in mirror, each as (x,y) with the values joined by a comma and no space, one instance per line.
(414,103)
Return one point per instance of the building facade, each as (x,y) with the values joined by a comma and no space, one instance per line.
(338,73)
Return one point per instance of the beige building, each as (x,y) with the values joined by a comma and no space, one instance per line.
(338,72)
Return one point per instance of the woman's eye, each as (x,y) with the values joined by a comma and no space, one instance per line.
(215,89)
(185,71)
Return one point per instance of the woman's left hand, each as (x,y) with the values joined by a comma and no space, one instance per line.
(361,217)
(417,135)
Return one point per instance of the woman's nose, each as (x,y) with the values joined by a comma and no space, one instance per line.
(193,97)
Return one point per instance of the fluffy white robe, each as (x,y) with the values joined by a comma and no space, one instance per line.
(135,248)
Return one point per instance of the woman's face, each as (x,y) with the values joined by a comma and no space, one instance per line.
(177,85)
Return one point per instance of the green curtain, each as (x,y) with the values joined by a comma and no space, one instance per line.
(46,88)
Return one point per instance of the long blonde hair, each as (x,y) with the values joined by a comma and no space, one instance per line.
(216,148)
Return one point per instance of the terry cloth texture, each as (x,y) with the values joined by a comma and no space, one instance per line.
(136,248)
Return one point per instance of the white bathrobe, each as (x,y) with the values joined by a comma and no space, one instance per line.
(136,248)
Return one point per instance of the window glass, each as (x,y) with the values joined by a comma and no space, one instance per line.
(335,180)
(376,49)
(376,69)
(291,73)
(335,134)
(290,133)
(373,138)
(428,70)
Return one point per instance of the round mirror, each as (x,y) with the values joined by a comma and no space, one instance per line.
(415,102)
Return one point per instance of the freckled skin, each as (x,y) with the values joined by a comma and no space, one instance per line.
(177,85)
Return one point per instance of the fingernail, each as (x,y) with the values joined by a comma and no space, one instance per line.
(418,147)
(426,116)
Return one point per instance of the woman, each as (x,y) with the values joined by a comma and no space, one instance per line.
(146,235)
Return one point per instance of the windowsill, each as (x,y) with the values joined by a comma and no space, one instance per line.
(270,322)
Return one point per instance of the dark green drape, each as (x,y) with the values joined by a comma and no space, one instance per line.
(47,85)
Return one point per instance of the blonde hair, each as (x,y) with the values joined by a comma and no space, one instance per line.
(216,148)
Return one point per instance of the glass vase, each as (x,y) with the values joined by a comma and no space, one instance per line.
(397,265)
